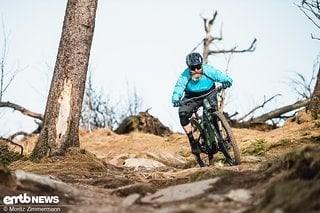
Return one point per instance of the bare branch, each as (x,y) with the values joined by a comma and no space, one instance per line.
(311,8)
(11,137)
(213,18)
(205,24)
(21,109)
(3,60)
(316,38)
(4,83)
(309,17)
(234,49)
(301,86)
(196,47)
(10,141)
(258,107)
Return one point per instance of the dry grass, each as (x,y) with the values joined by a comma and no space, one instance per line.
(90,164)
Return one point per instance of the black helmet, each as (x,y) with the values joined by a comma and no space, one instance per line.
(193,59)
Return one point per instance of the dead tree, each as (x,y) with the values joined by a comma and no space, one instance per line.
(302,86)
(134,101)
(6,77)
(210,39)
(94,108)
(97,110)
(61,119)
(311,9)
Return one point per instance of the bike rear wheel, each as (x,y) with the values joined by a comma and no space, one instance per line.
(227,142)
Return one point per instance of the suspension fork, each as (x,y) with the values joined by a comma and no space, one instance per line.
(214,130)
(209,129)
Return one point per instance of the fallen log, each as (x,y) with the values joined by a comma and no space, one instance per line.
(260,122)
(280,111)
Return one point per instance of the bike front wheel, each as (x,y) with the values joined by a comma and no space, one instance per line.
(227,142)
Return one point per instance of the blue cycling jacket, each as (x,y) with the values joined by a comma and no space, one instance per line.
(211,75)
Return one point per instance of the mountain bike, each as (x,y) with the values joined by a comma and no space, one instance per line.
(212,132)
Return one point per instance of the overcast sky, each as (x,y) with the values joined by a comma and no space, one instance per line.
(143,44)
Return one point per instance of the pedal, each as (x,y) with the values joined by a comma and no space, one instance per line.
(203,149)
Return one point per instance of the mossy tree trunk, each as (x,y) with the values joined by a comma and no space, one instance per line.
(61,119)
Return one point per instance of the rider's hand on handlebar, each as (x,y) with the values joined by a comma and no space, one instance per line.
(226,84)
(177,103)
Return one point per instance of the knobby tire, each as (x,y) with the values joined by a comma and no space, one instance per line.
(235,160)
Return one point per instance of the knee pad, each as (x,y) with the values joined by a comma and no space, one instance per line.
(184,118)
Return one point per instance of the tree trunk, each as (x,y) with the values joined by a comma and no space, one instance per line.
(61,121)
(314,105)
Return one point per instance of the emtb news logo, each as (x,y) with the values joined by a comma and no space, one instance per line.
(33,199)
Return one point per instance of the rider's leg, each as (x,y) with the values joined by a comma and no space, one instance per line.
(194,146)
(185,113)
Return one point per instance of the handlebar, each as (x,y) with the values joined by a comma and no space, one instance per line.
(216,90)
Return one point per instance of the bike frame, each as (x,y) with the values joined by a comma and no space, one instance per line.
(211,133)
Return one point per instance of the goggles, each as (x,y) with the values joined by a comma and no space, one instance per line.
(195,67)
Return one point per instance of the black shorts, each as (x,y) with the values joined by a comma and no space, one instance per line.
(186,110)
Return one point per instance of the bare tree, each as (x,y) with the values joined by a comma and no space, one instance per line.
(134,101)
(6,76)
(88,107)
(131,106)
(302,86)
(97,111)
(100,111)
(311,8)
(209,40)
(61,119)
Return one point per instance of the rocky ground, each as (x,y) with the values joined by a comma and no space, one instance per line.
(141,172)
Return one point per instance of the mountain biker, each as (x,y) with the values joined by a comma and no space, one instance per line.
(197,79)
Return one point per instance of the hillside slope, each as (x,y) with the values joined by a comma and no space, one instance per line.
(279,171)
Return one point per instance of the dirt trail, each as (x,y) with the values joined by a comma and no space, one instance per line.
(115,173)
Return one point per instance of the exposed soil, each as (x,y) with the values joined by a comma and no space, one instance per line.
(281,169)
